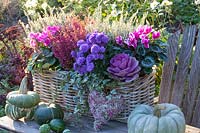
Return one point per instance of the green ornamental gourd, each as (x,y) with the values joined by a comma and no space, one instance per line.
(45,128)
(163,118)
(21,103)
(45,112)
(57,125)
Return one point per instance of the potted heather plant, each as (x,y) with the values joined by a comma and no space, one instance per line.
(52,61)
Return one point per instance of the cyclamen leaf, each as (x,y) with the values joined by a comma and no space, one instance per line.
(163,56)
(140,50)
(148,62)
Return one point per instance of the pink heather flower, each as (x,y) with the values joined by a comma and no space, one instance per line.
(119,40)
(143,36)
(145,42)
(156,35)
(147,29)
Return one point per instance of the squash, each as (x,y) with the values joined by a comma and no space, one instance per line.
(57,125)
(45,128)
(23,98)
(66,131)
(21,103)
(163,118)
(45,112)
(16,113)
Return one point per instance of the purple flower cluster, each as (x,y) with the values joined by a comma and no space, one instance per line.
(142,34)
(89,50)
(104,109)
(43,37)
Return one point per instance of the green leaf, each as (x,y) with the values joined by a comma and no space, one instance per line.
(156,49)
(163,56)
(140,50)
(46,66)
(148,62)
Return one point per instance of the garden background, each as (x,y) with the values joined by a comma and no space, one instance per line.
(166,16)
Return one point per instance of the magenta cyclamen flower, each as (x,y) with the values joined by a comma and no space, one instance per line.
(155,34)
(119,40)
(124,67)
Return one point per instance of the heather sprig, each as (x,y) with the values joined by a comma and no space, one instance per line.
(104,108)
(89,50)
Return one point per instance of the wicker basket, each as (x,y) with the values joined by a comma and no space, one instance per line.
(140,91)
(48,85)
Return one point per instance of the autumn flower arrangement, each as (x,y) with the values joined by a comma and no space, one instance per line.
(96,62)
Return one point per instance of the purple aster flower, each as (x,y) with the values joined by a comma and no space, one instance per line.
(80,42)
(73,54)
(90,67)
(119,40)
(84,47)
(95,49)
(101,56)
(90,58)
(102,49)
(92,38)
(80,60)
(80,54)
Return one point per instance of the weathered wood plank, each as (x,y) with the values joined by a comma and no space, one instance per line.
(167,74)
(183,63)
(111,127)
(196,114)
(194,78)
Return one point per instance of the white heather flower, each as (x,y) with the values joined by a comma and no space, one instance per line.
(166,3)
(154,4)
(197,2)
(44,5)
(31,3)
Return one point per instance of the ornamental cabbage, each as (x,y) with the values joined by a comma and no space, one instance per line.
(124,67)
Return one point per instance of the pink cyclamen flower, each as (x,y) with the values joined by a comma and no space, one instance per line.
(145,42)
(147,29)
(140,30)
(119,40)
(155,34)
(132,40)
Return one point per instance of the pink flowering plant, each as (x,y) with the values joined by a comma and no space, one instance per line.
(54,44)
(136,54)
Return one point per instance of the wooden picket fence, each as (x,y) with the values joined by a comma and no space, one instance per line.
(180,83)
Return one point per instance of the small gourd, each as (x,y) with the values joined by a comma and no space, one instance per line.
(21,103)
(57,125)
(45,112)
(163,118)
(45,128)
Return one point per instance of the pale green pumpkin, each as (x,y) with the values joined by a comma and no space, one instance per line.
(21,103)
(163,118)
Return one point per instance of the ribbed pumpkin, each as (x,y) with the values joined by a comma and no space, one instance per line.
(45,112)
(163,118)
(21,103)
